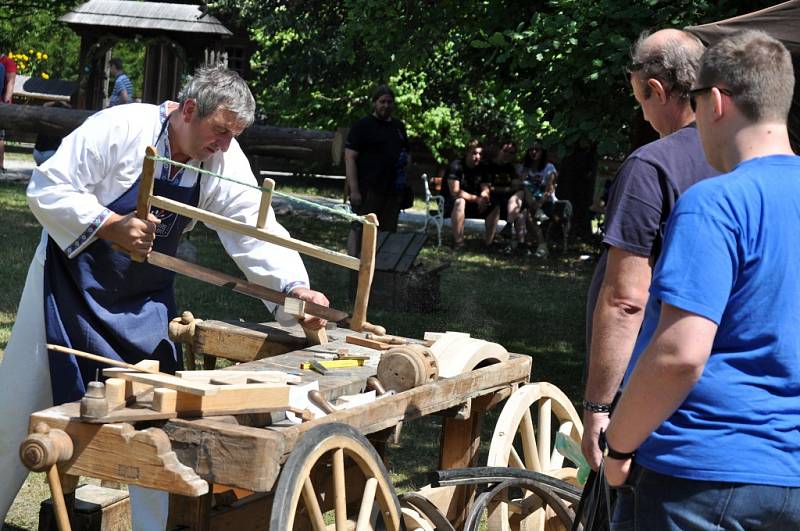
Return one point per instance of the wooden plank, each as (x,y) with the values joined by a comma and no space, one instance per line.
(389,254)
(233,375)
(163,380)
(369,343)
(117,452)
(411,253)
(236,397)
(260,234)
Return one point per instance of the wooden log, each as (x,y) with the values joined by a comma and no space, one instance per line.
(245,341)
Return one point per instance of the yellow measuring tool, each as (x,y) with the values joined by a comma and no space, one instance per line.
(333,364)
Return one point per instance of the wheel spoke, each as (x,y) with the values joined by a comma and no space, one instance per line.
(367,502)
(339,491)
(543,434)
(312,505)
(528,435)
(515,460)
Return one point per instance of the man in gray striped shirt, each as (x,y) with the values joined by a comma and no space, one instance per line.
(123,88)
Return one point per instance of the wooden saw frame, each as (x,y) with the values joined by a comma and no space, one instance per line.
(365,265)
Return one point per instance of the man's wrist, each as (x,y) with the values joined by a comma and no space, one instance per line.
(596,407)
(293,286)
(616,454)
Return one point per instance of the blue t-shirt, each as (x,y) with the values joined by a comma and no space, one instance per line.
(731,255)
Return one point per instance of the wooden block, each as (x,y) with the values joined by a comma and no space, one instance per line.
(115,392)
(96,509)
(164,400)
(245,341)
(316,337)
(369,343)
(235,397)
(137,388)
(295,307)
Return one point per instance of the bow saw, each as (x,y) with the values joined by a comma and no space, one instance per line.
(365,265)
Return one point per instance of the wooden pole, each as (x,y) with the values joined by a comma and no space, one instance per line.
(260,234)
(266,201)
(366,270)
(99,359)
(57,495)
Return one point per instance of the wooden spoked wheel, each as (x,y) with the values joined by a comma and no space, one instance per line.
(334,480)
(524,437)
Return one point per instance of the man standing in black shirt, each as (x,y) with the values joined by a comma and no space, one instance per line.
(376,155)
(467,194)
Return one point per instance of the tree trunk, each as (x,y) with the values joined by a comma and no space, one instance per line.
(315,148)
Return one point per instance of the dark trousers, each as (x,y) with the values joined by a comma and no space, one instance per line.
(657,502)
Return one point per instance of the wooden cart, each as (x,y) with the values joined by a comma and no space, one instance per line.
(297,472)
(319,474)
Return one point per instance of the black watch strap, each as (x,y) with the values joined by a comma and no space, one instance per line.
(614,454)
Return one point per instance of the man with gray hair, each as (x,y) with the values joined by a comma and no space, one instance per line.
(706,430)
(83,292)
(644,192)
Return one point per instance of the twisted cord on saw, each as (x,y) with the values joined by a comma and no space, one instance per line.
(291,198)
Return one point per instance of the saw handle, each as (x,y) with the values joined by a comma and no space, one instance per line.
(145,190)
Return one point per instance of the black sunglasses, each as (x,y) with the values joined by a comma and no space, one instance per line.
(695,92)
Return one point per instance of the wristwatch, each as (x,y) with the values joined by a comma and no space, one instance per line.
(614,454)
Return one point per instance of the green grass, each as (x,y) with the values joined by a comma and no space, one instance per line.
(533,307)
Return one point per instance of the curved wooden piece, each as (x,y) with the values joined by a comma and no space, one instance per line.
(414,521)
(366,270)
(345,451)
(118,452)
(528,417)
(458,353)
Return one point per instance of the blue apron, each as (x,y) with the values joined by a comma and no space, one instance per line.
(105,303)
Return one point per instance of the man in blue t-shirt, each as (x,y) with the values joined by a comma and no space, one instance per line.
(706,433)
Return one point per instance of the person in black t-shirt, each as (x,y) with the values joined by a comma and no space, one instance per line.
(376,156)
(467,192)
(501,174)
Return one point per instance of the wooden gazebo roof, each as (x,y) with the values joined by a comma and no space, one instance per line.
(153,16)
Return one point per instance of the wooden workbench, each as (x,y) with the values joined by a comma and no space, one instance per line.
(184,456)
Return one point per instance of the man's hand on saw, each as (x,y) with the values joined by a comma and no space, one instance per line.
(132,234)
(308,295)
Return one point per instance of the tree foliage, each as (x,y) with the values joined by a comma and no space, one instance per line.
(33,25)
(461,68)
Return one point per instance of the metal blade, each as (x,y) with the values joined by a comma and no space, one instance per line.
(224,280)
